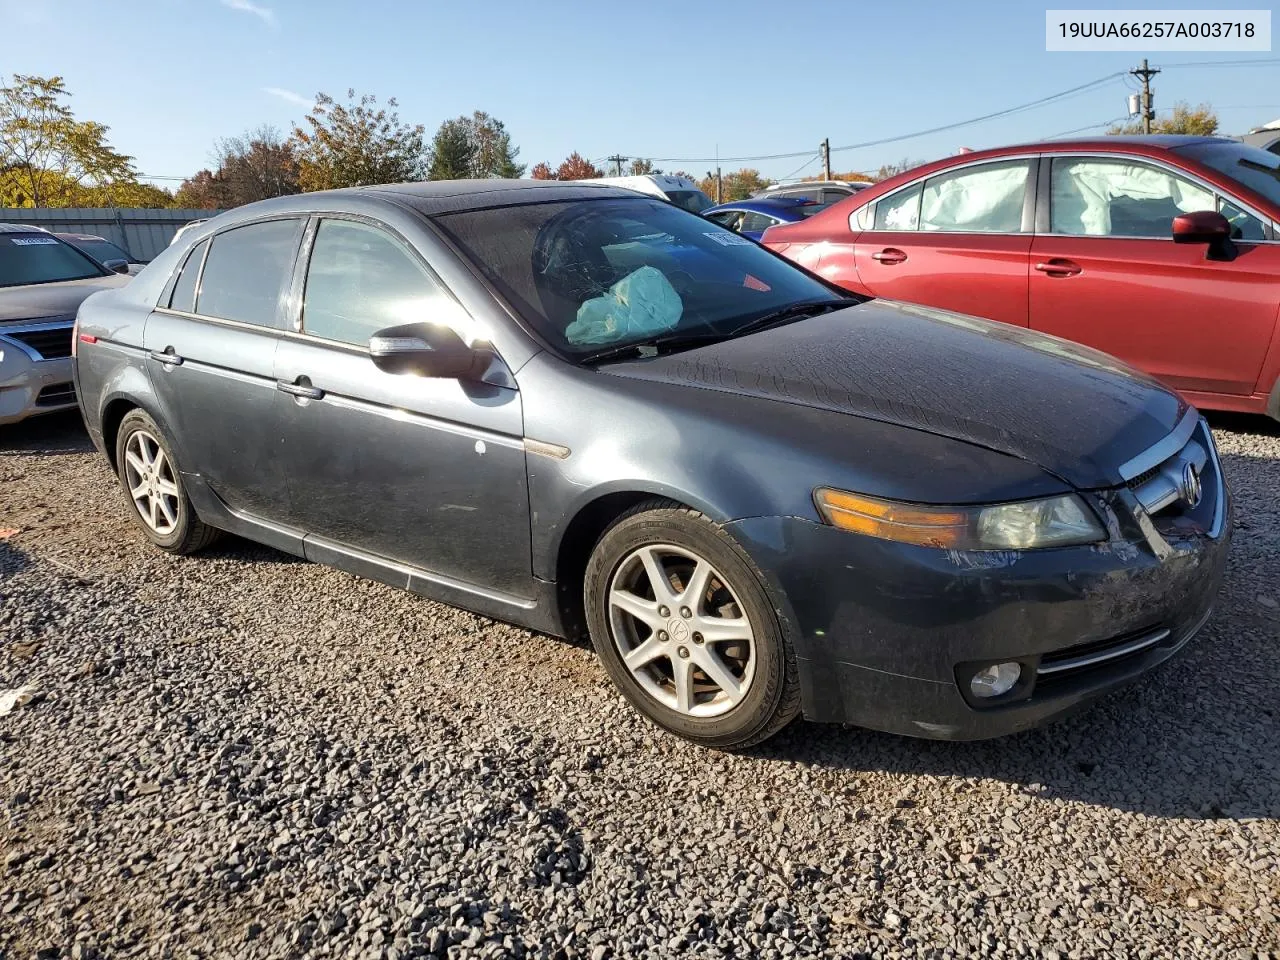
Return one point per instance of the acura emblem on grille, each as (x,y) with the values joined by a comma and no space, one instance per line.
(1190,488)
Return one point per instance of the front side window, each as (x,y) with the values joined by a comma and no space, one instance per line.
(982,199)
(1120,198)
(899,211)
(247,271)
(1244,225)
(36,257)
(183,297)
(753,222)
(592,274)
(359,281)
(726,218)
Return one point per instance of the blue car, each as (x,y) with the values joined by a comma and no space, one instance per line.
(752,218)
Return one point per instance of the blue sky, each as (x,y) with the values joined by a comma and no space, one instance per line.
(659,79)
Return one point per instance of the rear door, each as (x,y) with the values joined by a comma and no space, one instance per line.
(429,472)
(211,357)
(959,240)
(1108,274)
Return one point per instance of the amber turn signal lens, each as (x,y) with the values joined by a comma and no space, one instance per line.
(923,526)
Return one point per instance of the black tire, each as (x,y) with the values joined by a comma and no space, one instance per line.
(189,532)
(772,698)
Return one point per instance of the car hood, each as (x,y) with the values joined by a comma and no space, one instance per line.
(39,300)
(1073,411)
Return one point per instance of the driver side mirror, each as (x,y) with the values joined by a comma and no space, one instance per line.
(116,265)
(1205,226)
(426,350)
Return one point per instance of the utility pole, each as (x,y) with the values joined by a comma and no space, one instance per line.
(1145,73)
(617,164)
(826,159)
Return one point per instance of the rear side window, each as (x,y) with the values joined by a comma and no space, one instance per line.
(247,271)
(359,281)
(901,211)
(984,199)
(184,291)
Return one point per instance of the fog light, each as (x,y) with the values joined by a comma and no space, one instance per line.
(997,679)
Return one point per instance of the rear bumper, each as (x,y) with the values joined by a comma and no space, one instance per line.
(887,635)
(30,386)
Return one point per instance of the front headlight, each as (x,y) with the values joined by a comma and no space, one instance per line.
(1051,522)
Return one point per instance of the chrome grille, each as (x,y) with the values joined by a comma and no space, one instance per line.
(1178,474)
(50,342)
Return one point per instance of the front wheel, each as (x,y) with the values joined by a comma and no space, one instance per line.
(151,480)
(680,618)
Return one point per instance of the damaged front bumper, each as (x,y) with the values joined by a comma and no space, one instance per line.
(887,635)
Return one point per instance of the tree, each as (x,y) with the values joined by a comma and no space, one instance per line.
(640,167)
(893,169)
(737,185)
(475,146)
(124,194)
(451,152)
(204,191)
(1201,121)
(47,154)
(356,144)
(254,166)
(493,154)
(577,167)
(542,171)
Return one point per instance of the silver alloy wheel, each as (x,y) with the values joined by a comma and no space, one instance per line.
(149,477)
(681,630)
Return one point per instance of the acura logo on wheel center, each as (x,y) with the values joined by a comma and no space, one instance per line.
(1191,489)
(679,630)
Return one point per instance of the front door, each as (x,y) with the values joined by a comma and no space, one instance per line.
(1108,274)
(211,357)
(959,241)
(422,471)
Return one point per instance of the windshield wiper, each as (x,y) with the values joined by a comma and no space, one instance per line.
(653,346)
(795,311)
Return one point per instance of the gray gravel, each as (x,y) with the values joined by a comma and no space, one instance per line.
(244,755)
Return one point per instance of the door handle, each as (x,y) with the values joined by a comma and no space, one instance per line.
(1058,267)
(304,390)
(167,357)
(889,255)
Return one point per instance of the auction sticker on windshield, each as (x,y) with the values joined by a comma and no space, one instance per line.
(33,241)
(728,239)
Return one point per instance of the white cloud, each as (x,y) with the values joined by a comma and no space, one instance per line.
(290,97)
(265,14)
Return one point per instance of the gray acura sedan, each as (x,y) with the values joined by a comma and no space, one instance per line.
(592,413)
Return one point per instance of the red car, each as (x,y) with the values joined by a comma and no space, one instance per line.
(1163,251)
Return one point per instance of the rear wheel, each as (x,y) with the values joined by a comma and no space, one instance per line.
(151,480)
(681,620)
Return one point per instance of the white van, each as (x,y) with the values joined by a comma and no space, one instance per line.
(681,191)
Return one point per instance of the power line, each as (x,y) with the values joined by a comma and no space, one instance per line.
(907,136)
(797,170)
(1220,63)
(990,116)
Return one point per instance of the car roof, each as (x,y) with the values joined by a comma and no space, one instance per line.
(82,236)
(20,228)
(431,198)
(763,204)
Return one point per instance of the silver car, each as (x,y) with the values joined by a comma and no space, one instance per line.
(43,280)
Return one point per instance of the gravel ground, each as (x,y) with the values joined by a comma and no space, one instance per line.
(245,755)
